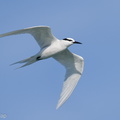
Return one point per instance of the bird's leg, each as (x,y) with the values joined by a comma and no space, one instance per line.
(38,58)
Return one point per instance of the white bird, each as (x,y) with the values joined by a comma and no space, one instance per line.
(58,49)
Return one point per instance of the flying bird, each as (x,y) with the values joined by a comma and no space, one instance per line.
(58,49)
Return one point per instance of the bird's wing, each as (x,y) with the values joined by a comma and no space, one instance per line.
(74,65)
(42,34)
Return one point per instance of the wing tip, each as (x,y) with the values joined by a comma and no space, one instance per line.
(58,106)
(21,31)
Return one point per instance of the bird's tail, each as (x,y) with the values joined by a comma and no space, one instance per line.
(27,61)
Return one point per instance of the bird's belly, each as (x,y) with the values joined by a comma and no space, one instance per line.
(50,51)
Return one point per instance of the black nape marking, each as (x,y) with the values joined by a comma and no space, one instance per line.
(38,58)
(67,39)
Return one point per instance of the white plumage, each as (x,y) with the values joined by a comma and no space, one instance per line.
(52,47)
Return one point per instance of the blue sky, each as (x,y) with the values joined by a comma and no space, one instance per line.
(32,92)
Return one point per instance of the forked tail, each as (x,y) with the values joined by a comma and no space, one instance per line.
(27,61)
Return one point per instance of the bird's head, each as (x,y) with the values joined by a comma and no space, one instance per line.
(70,41)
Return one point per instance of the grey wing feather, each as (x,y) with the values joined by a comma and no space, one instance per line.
(42,34)
(74,67)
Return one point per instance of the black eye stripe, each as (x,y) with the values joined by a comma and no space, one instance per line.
(67,39)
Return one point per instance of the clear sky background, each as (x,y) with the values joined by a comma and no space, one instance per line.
(32,93)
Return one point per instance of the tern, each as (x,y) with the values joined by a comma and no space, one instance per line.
(58,49)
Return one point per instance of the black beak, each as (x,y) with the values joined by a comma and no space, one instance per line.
(77,42)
